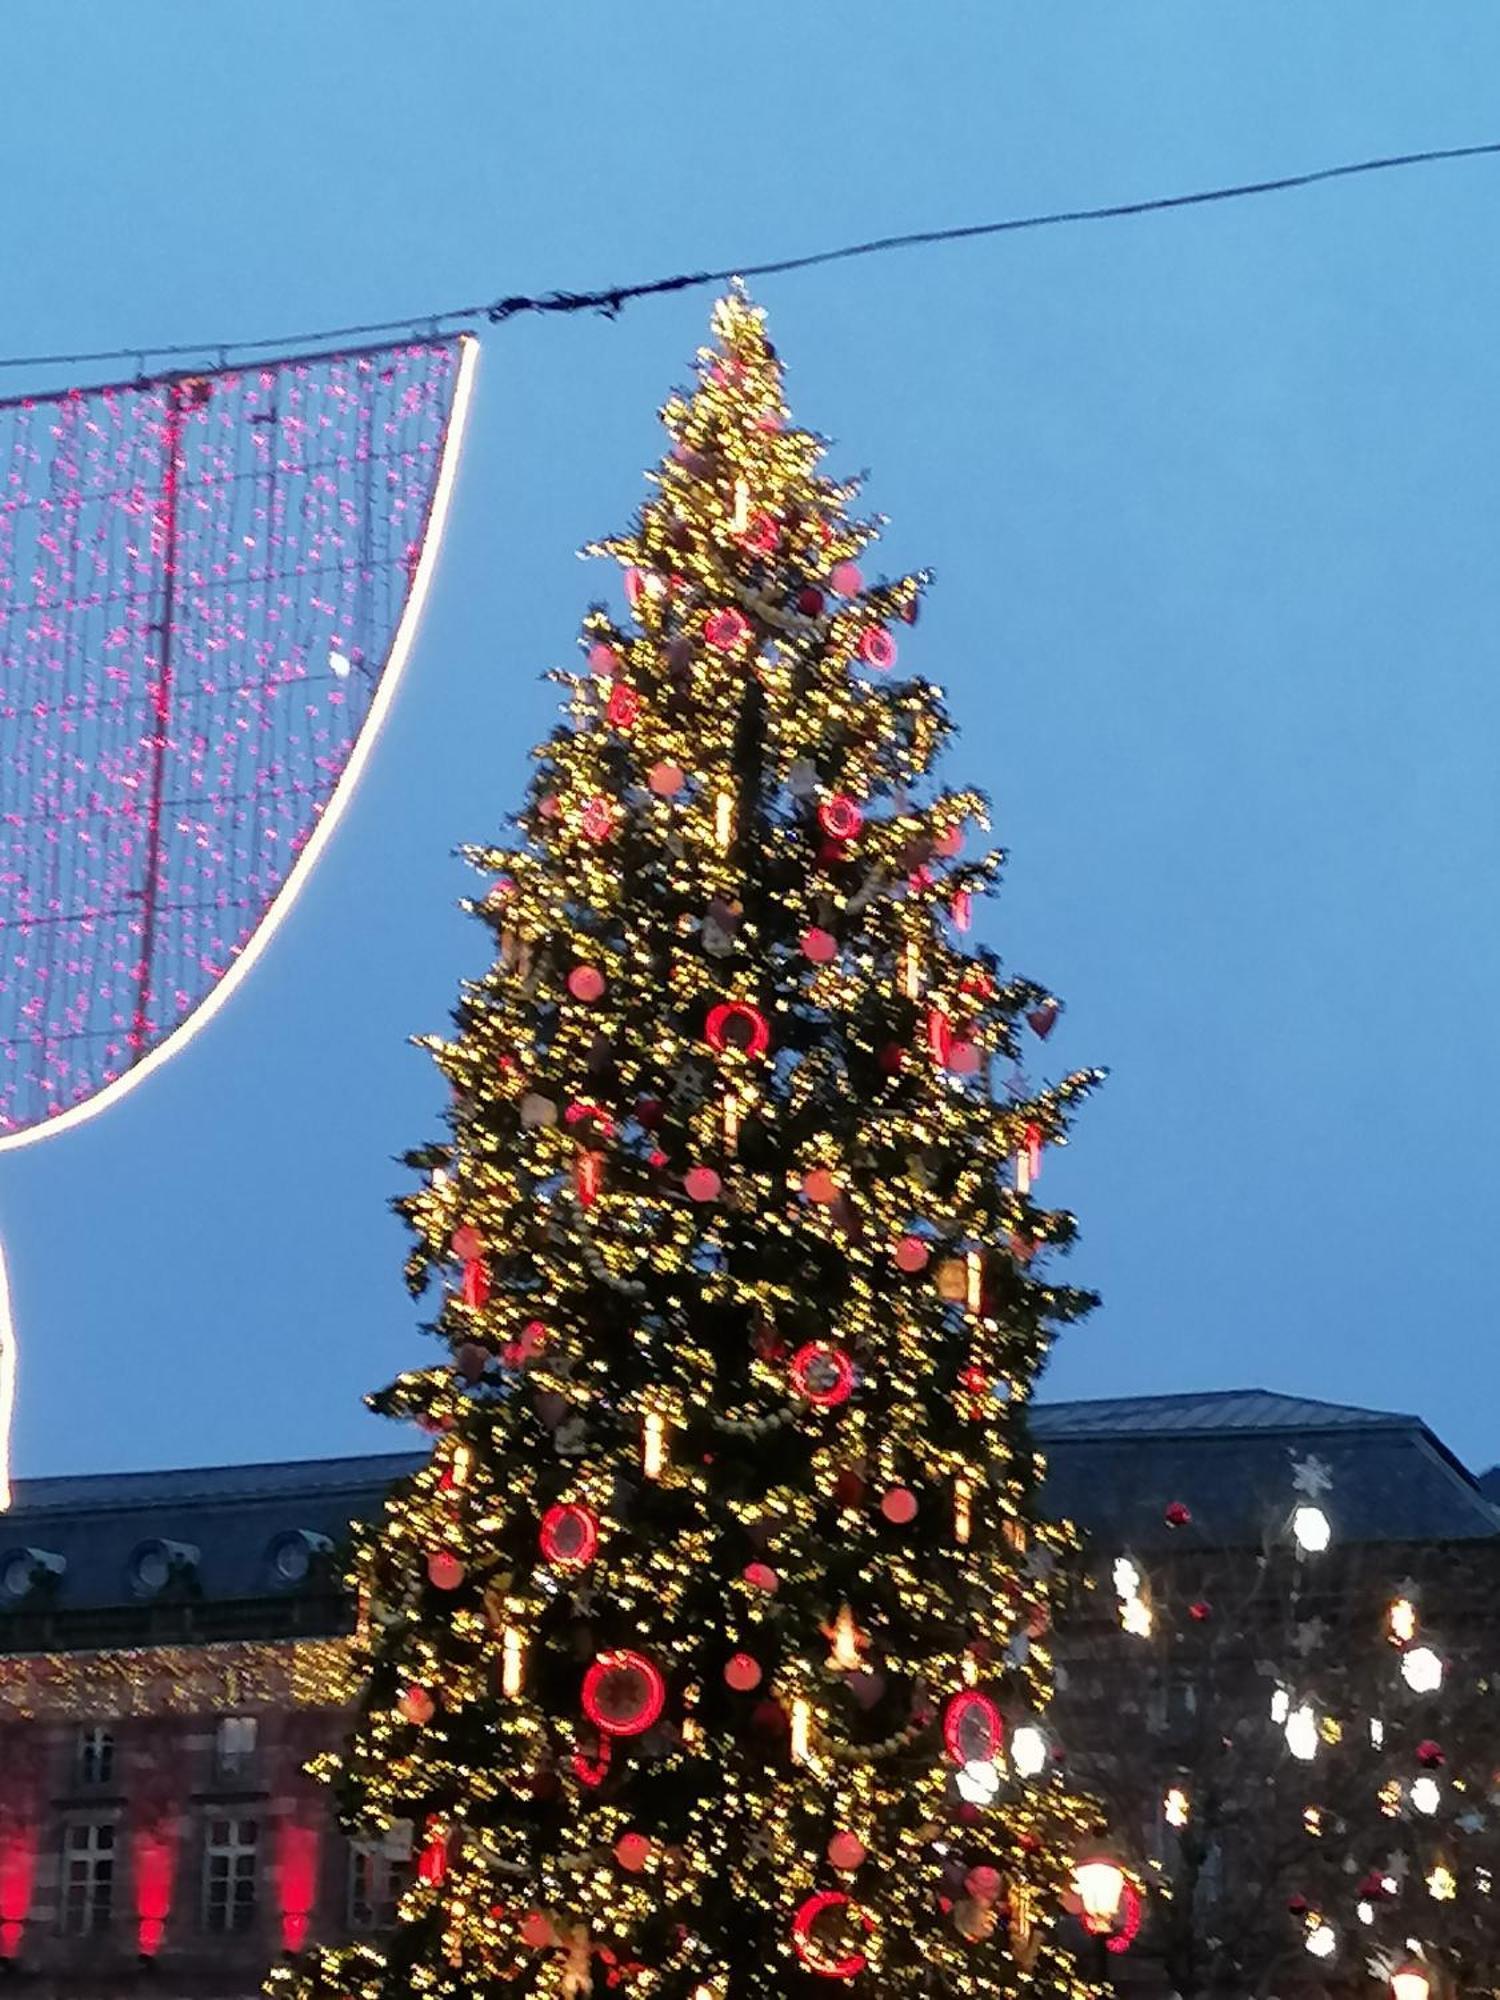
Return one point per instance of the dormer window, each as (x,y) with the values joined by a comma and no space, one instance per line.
(24,1570)
(293,1555)
(156,1564)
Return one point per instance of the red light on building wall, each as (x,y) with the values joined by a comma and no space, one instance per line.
(17,1873)
(297,1858)
(152,1857)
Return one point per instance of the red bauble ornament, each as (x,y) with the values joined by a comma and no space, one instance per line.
(632,1851)
(1042,1018)
(762,534)
(736,1024)
(537,1931)
(726,631)
(742,1672)
(1430,1754)
(973,1731)
(586,982)
(648,1112)
(467,1243)
(983,1884)
(821,1186)
(666,780)
(911,1254)
(1201,1611)
(840,818)
(899,1506)
(761,1576)
(877,648)
(810,602)
(569,1535)
(701,1184)
(823,1374)
(623,706)
(819,947)
(846,579)
(846,1851)
(1176,1514)
(603,661)
(964,1058)
(417,1705)
(948,842)
(623,1693)
(444,1570)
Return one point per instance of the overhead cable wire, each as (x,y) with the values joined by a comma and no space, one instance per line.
(611,299)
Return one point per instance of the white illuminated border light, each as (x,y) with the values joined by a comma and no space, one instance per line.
(338,799)
(281,903)
(7,1380)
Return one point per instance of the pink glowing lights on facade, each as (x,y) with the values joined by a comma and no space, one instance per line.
(207,589)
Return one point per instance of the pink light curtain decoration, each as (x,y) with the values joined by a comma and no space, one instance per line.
(208,586)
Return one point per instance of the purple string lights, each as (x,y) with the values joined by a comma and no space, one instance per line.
(208,587)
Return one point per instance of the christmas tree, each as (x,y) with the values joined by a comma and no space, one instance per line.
(708,1656)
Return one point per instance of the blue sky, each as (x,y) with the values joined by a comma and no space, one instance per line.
(1212,501)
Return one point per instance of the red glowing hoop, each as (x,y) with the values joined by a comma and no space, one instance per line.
(569,1535)
(736,1024)
(810,1950)
(623,1693)
(821,1373)
(973,1729)
(840,818)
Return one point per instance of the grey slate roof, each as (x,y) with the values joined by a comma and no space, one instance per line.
(232,1514)
(1115,1465)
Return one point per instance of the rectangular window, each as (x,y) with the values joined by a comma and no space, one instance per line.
(234,1746)
(88,1877)
(231,1874)
(377,1881)
(95,1761)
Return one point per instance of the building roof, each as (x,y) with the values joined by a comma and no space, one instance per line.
(1113,1466)
(1228,1455)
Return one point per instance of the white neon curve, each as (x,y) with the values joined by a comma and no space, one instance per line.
(338,799)
(7,1381)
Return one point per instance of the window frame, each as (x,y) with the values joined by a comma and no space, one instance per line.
(86,1899)
(230,1914)
(388,1877)
(235,1759)
(94,1751)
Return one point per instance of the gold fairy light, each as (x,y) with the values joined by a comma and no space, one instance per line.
(653,1444)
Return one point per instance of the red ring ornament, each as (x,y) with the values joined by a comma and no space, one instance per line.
(652,1699)
(971,1705)
(597,819)
(877,648)
(569,1535)
(1129,1921)
(726,631)
(592,1771)
(623,706)
(818,1356)
(848,1967)
(727,1014)
(840,818)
